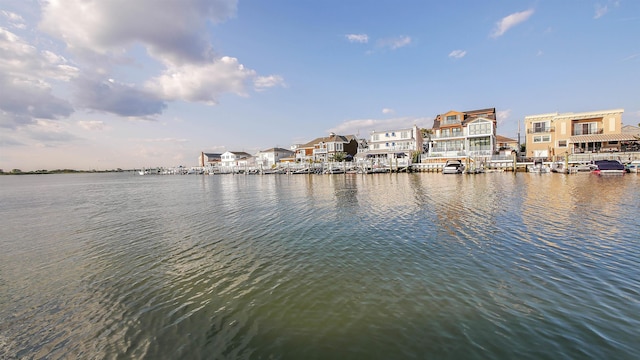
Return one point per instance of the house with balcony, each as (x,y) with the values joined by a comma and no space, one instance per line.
(392,144)
(556,134)
(232,160)
(270,157)
(324,148)
(209,159)
(458,134)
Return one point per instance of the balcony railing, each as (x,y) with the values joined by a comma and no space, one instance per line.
(447,136)
(588,132)
(547,129)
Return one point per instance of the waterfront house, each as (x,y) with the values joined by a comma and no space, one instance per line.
(209,159)
(506,145)
(391,144)
(232,160)
(556,134)
(270,157)
(325,148)
(458,134)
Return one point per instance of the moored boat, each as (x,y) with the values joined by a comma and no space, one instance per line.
(453,167)
(608,167)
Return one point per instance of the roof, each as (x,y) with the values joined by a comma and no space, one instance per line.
(242,154)
(630,129)
(276,149)
(468,116)
(504,139)
(601,138)
(330,138)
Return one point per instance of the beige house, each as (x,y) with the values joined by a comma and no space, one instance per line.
(555,134)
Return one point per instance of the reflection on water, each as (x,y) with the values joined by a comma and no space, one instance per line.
(340,266)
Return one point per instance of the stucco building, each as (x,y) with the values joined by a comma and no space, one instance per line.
(556,134)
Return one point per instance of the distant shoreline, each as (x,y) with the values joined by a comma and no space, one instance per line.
(58,171)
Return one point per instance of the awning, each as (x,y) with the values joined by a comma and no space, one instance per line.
(601,138)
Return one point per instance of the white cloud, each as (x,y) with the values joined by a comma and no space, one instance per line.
(264,82)
(357,38)
(364,126)
(14,20)
(502,116)
(394,42)
(91,124)
(457,54)
(631,57)
(203,83)
(387,111)
(602,10)
(171,30)
(510,21)
(174,33)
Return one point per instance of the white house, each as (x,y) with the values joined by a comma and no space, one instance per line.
(237,159)
(395,143)
(270,157)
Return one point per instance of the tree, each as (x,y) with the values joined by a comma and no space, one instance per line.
(426,133)
(339,156)
(16,171)
(415,156)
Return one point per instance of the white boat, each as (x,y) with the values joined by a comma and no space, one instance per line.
(558,167)
(538,167)
(633,167)
(453,167)
(581,168)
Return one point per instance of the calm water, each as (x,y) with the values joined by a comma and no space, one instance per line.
(492,266)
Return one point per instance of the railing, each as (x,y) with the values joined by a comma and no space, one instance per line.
(546,129)
(588,132)
(446,136)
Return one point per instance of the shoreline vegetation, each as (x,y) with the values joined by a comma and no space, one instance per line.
(57,171)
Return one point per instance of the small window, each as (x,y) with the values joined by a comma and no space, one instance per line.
(562,143)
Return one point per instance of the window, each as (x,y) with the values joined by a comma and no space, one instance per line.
(404,134)
(451,119)
(562,143)
(393,134)
(444,132)
(541,139)
(477,144)
(542,126)
(585,128)
(481,128)
(386,144)
(387,134)
(376,137)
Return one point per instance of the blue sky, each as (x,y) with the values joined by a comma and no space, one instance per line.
(130,84)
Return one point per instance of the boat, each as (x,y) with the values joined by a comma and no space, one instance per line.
(558,167)
(581,168)
(609,167)
(453,167)
(334,170)
(538,167)
(633,167)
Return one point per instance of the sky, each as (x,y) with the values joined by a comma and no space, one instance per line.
(106,84)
